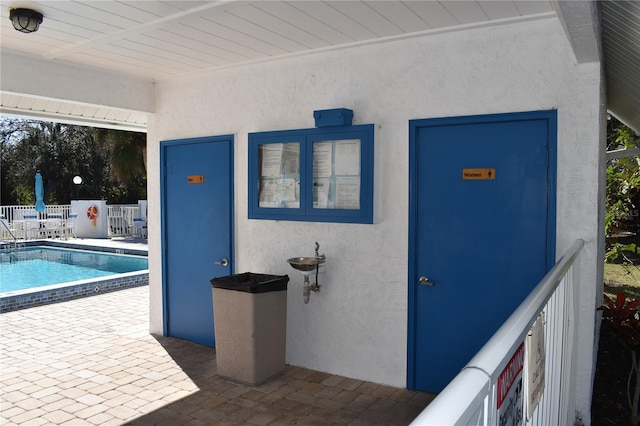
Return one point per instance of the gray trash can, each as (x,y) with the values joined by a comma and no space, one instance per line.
(250,323)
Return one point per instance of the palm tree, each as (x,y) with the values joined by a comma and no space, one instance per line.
(128,154)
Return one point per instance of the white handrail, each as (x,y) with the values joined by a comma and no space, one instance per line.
(525,315)
(6,229)
(471,397)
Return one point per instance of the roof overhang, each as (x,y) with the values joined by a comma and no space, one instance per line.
(608,32)
(73,94)
(103,73)
(621,42)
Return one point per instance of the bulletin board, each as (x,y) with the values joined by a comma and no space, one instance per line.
(314,174)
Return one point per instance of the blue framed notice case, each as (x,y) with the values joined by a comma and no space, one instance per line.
(315,175)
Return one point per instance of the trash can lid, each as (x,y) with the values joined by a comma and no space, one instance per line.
(250,282)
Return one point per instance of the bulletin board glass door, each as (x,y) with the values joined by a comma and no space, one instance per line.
(314,175)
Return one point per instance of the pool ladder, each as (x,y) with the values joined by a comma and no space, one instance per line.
(6,227)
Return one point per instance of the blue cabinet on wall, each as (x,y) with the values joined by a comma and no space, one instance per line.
(315,175)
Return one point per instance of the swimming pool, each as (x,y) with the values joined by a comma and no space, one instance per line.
(37,275)
(33,267)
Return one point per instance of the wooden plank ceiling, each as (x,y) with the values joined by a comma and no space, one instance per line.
(621,47)
(160,40)
(163,39)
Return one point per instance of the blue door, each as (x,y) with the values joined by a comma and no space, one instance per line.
(197,232)
(482,232)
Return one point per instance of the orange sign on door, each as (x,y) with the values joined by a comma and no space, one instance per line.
(195,179)
(478,174)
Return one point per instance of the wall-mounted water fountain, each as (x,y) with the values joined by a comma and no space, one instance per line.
(308,266)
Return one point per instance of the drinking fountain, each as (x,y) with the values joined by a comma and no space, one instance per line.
(308,266)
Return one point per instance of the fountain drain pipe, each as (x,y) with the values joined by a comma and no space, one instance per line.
(306,290)
(308,287)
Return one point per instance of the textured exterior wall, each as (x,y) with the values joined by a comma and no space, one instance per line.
(357,325)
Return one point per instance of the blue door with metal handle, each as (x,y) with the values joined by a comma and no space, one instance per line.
(482,232)
(197,205)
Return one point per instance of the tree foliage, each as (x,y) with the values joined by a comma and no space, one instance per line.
(623,192)
(60,152)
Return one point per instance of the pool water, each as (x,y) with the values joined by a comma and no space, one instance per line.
(33,267)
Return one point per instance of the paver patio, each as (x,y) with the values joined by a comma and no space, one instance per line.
(92,361)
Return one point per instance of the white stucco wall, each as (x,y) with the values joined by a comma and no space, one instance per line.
(357,325)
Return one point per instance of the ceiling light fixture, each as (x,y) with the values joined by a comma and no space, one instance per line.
(25,20)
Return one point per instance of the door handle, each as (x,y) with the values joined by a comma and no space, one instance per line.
(425,281)
(223,262)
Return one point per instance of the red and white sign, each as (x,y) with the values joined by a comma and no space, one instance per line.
(509,401)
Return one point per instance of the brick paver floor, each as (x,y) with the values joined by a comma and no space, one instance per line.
(92,361)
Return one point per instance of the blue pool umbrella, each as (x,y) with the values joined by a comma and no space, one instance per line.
(39,193)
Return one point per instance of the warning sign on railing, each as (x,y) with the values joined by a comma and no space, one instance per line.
(535,365)
(510,406)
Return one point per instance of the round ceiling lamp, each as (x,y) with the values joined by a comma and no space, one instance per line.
(25,20)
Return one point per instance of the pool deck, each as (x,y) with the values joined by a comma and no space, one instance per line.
(117,243)
(92,361)
(136,244)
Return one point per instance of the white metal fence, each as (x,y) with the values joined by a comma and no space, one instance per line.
(472,397)
(13,213)
(120,217)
